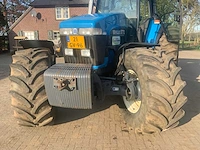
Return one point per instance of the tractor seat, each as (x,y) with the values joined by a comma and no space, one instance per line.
(150,31)
(154,31)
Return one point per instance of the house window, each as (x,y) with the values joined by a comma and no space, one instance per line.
(56,35)
(30,35)
(53,35)
(62,13)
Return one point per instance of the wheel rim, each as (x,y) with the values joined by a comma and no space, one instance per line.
(134,104)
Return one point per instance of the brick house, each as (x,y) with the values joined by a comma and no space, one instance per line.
(41,20)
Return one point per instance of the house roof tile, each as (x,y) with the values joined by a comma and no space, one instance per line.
(45,3)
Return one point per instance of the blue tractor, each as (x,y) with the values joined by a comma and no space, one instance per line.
(115,49)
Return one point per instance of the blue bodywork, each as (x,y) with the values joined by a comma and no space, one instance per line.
(152,32)
(107,60)
(105,63)
(106,22)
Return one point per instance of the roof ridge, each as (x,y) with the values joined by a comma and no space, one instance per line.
(20,18)
(43,3)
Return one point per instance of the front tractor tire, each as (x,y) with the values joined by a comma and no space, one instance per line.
(156,104)
(28,97)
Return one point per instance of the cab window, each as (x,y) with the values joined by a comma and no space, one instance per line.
(144,10)
(128,7)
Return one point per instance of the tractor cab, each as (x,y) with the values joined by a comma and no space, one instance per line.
(143,25)
(146,19)
(110,25)
(129,8)
(95,38)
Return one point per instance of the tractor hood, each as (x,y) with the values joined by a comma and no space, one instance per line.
(106,22)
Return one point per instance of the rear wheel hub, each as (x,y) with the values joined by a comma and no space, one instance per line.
(133,98)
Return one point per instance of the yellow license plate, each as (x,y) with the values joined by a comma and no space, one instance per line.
(76,42)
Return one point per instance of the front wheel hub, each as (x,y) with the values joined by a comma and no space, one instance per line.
(133,98)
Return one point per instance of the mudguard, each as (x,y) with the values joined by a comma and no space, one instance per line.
(37,43)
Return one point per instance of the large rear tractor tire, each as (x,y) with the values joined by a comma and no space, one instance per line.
(157,100)
(169,48)
(28,96)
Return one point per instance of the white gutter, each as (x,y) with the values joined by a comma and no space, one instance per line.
(91,2)
(20,18)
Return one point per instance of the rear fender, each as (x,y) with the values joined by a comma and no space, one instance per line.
(38,43)
(172,34)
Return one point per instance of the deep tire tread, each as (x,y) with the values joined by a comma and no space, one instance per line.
(177,117)
(170,49)
(37,52)
(23,59)
(157,67)
(173,78)
(25,123)
(46,122)
(154,128)
(43,114)
(36,91)
(142,56)
(21,99)
(21,83)
(23,112)
(160,116)
(37,61)
(29,100)
(168,61)
(39,103)
(163,84)
(163,94)
(161,99)
(21,69)
(36,75)
(178,92)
